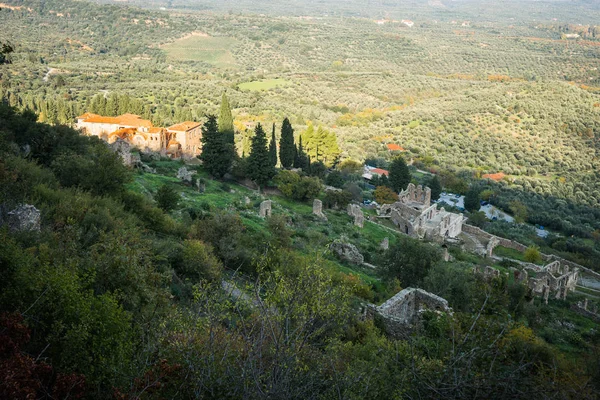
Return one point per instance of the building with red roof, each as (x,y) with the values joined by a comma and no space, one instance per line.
(395,147)
(182,139)
(495,177)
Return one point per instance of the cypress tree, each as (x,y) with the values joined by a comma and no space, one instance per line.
(436,188)
(260,169)
(399,175)
(273,148)
(217,153)
(287,149)
(226,119)
(300,157)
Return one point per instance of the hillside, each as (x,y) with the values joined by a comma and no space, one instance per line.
(124,299)
(279,241)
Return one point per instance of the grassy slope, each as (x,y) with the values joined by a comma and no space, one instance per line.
(309,233)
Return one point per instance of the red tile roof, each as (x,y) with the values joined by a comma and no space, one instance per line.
(184,126)
(394,147)
(124,120)
(380,171)
(495,177)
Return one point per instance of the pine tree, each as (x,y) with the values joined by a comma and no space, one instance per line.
(260,169)
(321,145)
(436,188)
(217,153)
(399,175)
(226,119)
(287,149)
(273,148)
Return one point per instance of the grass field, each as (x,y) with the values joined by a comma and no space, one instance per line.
(211,50)
(267,84)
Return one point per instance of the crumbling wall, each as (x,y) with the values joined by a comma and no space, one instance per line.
(402,314)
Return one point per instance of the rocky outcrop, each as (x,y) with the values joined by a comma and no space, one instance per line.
(347,252)
(24,218)
(185,175)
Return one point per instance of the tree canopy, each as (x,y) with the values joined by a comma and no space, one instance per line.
(260,169)
(287,148)
(217,152)
(399,175)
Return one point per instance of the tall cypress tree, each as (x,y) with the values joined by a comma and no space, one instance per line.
(436,187)
(287,148)
(399,175)
(301,158)
(260,169)
(226,119)
(273,148)
(217,153)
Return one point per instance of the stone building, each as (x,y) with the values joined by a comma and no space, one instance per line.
(416,217)
(554,280)
(187,134)
(181,140)
(402,314)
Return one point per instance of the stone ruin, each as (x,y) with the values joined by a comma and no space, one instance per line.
(318,209)
(355,211)
(489,250)
(123,149)
(385,244)
(446,253)
(265,209)
(185,175)
(403,314)
(581,308)
(554,280)
(24,218)
(414,215)
(488,273)
(347,252)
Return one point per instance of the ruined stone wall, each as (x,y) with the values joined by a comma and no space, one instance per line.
(511,244)
(402,314)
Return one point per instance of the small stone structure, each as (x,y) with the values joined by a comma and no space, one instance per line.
(385,244)
(347,252)
(23,218)
(318,209)
(402,314)
(488,273)
(416,217)
(265,209)
(355,211)
(185,175)
(446,255)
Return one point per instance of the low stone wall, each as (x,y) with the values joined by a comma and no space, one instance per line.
(586,313)
(511,244)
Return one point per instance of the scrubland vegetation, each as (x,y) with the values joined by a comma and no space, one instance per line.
(121,292)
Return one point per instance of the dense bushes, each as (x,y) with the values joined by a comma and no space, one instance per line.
(297,187)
